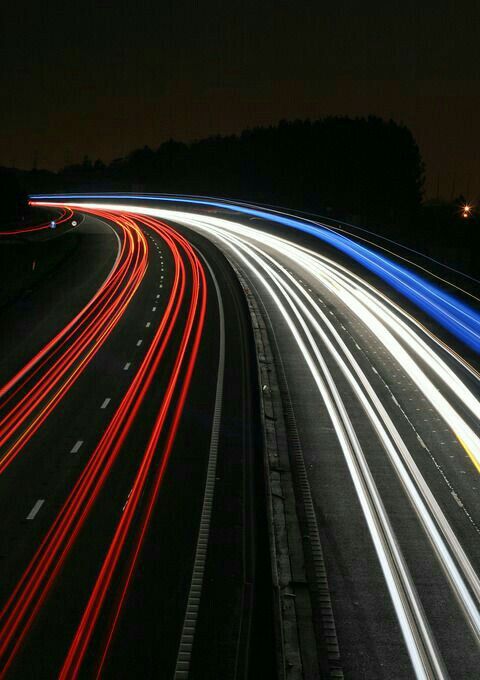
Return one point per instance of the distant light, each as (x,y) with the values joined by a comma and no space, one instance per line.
(53,224)
(74,223)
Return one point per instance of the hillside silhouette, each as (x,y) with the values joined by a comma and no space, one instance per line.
(364,170)
(364,166)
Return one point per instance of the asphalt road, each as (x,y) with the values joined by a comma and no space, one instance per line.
(65,560)
(372,643)
(44,310)
(387,417)
(369,637)
(388,422)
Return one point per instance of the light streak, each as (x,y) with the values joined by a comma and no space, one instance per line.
(85,630)
(406,344)
(64,217)
(40,385)
(30,593)
(457,317)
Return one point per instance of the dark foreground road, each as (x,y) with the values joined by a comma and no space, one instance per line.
(385,413)
(379,408)
(121,457)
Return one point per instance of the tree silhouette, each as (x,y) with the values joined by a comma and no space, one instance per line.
(363,169)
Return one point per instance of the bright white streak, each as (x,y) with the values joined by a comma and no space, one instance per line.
(372,312)
(415,629)
(449,565)
(451,417)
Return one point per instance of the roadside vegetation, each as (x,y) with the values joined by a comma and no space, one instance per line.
(366,171)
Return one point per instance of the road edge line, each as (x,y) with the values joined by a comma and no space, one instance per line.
(185,648)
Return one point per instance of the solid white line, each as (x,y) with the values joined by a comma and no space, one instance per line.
(191,612)
(36,508)
(105,403)
(77,446)
(127,366)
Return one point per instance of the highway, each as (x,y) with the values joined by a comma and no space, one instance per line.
(111,447)
(133,433)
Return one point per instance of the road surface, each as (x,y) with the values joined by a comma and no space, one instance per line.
(386,414)
(115,444)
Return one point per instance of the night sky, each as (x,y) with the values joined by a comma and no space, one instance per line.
(102,78)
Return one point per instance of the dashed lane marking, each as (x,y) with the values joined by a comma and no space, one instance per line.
(33,512)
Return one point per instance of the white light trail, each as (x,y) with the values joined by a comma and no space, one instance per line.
(410,345)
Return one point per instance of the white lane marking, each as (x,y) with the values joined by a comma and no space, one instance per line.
(147,325)
(36,508)
(457,499)
(126,502)
(154,309)
(77,446)
(127,366)
(157,296)
(196,584)
(105,403)
(139,342)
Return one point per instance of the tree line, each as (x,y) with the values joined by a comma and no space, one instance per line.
(366,169)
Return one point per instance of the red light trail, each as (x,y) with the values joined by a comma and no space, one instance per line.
(185,310)
(66,214)
(65,356)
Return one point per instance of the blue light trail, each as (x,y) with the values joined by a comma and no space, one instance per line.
(460,319)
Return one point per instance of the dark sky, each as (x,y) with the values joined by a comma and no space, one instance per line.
(102,78)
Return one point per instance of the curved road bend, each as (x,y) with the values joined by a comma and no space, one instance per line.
(101,523)
(390,431)
(390,434)
(41,312)
(382,462)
